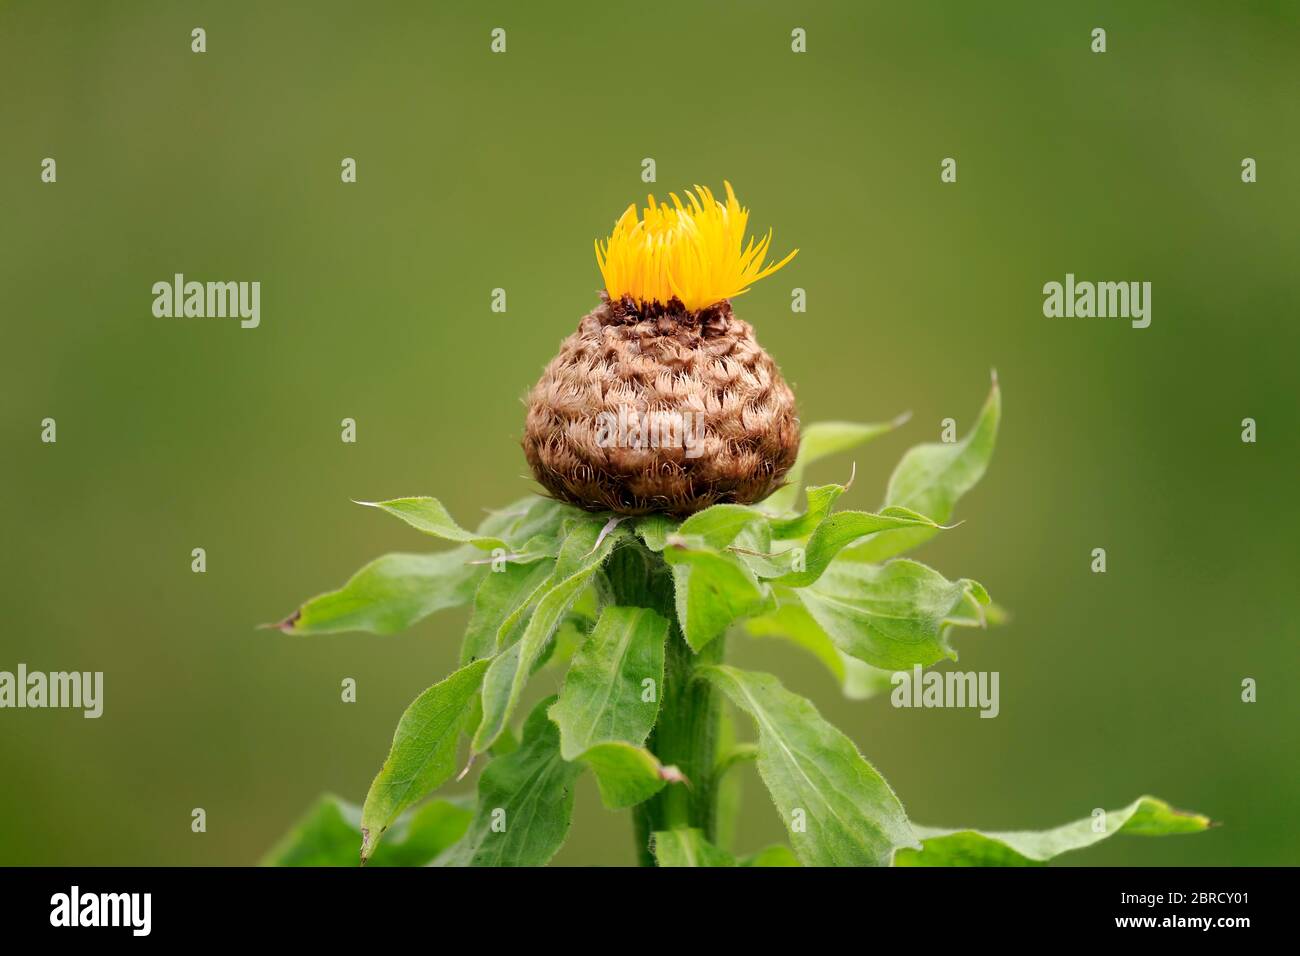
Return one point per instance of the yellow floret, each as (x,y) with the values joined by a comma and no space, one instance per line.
(694,251)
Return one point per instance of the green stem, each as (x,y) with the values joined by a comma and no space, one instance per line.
(686,734)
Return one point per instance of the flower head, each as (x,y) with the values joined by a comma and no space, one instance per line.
(694,252)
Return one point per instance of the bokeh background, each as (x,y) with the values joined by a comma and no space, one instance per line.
(479,171)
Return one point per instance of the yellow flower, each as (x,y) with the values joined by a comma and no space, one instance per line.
(695,252)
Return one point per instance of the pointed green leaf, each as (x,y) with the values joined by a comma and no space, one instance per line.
(820,440)
(603,695)
(582,553)
(525,802)
(711,591)
(820,500)
(569,562)
(330,831)
(389,594)
(688,847)
(839,530)
(931,478)
(428,515)
(892,615)
(838,809)
(501,596)
(423,754)
(1145,816)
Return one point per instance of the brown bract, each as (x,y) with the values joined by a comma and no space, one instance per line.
(660,409)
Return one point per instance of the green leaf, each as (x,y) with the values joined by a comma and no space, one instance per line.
(710,530)
(498,521)
(839,530)
(602,696)
(688,847)
(602,717)
(539,530)
(754,547)
(820,500)
(525,802)
(655,529)
(970,611)
(778,855)
(861,681)
(389,594)
(838,810)
(423,754)
(931,478)
(569,636)
(428,515)
(717,526)
(1145,816)
(891,616)
(501,596)
(792,622)
(711,591)
(820,440)
(627,774)
(330,831)
(423,833)
(582,553)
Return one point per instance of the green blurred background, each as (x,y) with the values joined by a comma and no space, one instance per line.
(479,170)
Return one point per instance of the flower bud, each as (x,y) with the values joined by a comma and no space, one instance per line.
(662,400)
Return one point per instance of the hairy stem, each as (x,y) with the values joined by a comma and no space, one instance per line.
(686,734)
